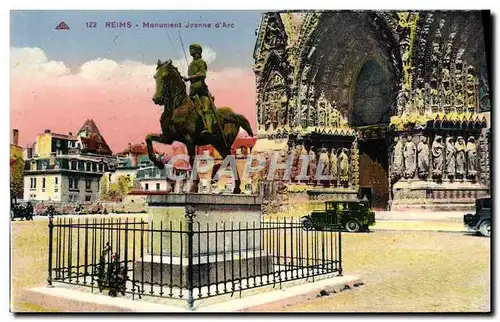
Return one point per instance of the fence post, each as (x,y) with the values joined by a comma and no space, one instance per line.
(51,234)
(190,214)
(340,253)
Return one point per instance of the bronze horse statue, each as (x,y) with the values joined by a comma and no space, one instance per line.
(181,122)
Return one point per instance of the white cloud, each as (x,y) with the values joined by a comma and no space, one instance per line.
(107,69)
(32,63)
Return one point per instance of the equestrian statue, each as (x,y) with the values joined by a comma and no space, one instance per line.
(192,119)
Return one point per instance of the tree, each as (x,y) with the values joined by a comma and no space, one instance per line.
(104,187)
(122,187)
(17,177)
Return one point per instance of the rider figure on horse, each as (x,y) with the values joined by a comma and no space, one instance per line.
(198,90)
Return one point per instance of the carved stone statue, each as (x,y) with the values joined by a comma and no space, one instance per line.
(334,167)
(324,161)
(311,119)
(450,158)
(397,156)
(344,166)
(322,109)
(447,90)
(471,88)
(423,158)
(302,159)
(420,100)
(311,173)
(437,156)
(401,101)
(471,157)
(460,157)
(410,154)
(296,151)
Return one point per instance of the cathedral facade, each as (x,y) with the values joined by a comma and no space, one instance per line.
(396,103)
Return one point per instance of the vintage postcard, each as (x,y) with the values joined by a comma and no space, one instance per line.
(250,161)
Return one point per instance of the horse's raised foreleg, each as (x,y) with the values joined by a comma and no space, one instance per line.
(149,142)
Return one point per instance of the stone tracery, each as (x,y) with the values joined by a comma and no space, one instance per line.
(308,67)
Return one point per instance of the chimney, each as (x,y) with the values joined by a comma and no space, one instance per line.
(70,133)
(47,131)
(15,136)
(29,152)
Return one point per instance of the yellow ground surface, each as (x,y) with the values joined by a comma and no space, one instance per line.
(403,271)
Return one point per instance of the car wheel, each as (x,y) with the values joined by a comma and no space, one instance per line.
(485,228)
(306,224)
(352,226)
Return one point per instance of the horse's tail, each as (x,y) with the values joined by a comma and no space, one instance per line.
(243,122)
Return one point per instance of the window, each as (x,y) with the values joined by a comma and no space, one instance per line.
(87,166)
(73,165)
(73,183)
(56,183)
(101,168)
(88,184)
(33,183)
(88,198)
(44,181)
(94,167)
(56,180)
(157,186)
(146,186)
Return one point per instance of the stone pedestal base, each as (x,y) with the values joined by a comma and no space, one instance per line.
(433,196)
(226,240)
(207,270)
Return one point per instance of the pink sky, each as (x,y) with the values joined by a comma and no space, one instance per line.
(118,99)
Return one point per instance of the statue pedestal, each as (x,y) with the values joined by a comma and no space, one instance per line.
(434,196)
(226,240)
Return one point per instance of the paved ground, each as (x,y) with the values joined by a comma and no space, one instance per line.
(413,215)
(412,272)
(403,271)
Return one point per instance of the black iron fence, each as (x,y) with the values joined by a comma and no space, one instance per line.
(186,259)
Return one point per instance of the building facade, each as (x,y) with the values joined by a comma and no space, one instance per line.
(67,168)
(394,102)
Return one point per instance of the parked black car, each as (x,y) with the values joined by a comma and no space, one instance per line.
(18,210)
(353,215)
(481,220)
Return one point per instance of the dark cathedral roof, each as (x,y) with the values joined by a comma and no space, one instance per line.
(93,139)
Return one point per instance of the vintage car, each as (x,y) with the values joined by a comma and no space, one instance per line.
(18,210)
(481,220)
(353,215)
